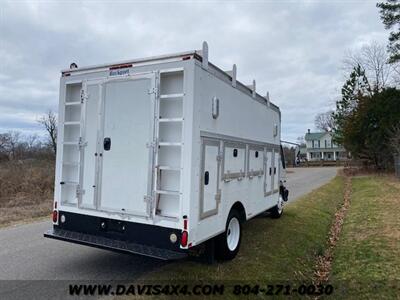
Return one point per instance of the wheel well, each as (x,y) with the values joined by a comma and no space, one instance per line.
(238,206)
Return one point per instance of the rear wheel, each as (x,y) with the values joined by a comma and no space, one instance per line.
(228,243)
(277,211)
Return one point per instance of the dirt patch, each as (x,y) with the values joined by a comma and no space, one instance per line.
(324,262)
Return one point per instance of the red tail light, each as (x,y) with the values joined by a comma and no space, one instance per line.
(55,216)
(184,238)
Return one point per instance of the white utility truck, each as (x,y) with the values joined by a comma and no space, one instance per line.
(161,155)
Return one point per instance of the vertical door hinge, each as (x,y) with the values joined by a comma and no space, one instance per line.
(153,91)
(81,143)
(149,201)
(84,96)
(152,144)
(218,196)
(79,191)
(147,198)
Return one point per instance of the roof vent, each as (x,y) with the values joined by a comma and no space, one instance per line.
(308,130)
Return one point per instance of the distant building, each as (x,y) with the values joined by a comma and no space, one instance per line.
(319,146)
(302,154)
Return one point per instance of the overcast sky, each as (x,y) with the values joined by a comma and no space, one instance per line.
(293,49)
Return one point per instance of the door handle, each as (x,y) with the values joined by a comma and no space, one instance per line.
(107,143)
(206,177)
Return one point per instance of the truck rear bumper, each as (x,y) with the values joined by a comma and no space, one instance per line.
(114,245)
(118,235)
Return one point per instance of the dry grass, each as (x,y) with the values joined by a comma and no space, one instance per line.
(26,190)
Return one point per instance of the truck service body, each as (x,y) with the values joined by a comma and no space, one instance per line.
(156,155)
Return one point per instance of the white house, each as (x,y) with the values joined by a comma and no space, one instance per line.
(319,146)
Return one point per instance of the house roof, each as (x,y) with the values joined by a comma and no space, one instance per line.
(314,135)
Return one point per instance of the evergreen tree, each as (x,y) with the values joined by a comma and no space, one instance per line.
(390,15)
(367,130)
(354,88)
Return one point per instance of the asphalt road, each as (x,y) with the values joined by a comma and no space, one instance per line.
(32,267)
(301,181)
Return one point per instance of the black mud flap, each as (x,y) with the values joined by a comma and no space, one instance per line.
(114,245)
(284,192)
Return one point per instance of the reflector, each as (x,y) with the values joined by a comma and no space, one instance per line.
(184,238)
(55,216)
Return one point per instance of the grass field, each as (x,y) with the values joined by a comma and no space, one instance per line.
(272,250)
(367,258)
(26,190)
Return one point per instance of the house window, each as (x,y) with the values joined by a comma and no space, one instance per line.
(326,144)
(319,144)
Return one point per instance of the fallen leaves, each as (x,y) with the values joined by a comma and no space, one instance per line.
(324,262)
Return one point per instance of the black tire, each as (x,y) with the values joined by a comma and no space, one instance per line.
(276,212)
(222,250)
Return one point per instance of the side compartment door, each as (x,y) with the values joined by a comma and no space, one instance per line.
(276,172)
(268,163)
(210,194)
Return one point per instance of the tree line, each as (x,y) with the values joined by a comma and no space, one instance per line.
(17,146)
(366,120)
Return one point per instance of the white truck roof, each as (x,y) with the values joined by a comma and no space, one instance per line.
(197,54)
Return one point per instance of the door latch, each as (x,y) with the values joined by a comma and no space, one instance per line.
(107,143)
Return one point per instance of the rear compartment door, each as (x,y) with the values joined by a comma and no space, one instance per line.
(89,148)
(125,155)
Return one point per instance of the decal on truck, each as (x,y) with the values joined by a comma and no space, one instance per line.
(119,72)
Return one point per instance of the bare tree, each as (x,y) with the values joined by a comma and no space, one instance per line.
(373,59)
(325,121)
(49,122)
(14,142)
(4,140)
(31,141)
